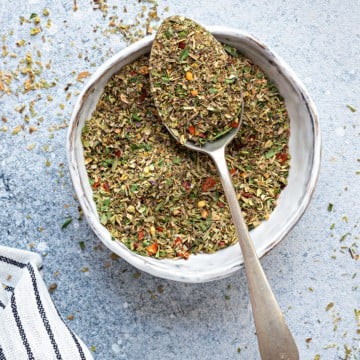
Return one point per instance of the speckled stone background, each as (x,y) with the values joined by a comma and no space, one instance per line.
(124,314)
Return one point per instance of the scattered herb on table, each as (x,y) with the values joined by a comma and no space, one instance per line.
(52,287)
(351,108)
(66,223)
(164,201)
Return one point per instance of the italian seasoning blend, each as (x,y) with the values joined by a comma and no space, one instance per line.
(194,82)
(162,200)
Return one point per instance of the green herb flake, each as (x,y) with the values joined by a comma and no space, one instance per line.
(136,117)
(357,316)
(66,223)
(231,79)
(169,33)
(82,245)
(232,51)
(330,207)
(184,54)
(177,160)
(343,237)
(351,108)
(103,219)
(271,153)
(329,306)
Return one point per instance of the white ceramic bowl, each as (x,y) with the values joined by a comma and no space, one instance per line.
(305,150)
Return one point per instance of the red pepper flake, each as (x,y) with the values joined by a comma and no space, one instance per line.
(232,171)
(246,195)
(106,186)
(208,184)
(96,184)
(282,157)
(141,235)
(178,241)
(182,45)
(186,255)
(220,204)
(234,124)
(152,249)
(118,153)
(186,185)
(143,95)
(160,229)
(192,130)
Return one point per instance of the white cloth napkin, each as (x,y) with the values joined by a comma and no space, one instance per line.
(30,325)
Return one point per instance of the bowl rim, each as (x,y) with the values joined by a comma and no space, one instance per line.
(159,266)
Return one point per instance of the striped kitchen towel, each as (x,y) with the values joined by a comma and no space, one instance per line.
(30,325)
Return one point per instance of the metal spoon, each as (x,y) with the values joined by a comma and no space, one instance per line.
(274,337)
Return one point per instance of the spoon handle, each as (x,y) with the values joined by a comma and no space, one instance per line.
(274,337)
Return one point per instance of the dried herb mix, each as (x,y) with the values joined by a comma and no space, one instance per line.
(162,200)
(194,82)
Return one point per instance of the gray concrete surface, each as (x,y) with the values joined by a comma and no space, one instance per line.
(124,314)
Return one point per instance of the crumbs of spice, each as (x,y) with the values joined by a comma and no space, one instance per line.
(52,287)
(351,108)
